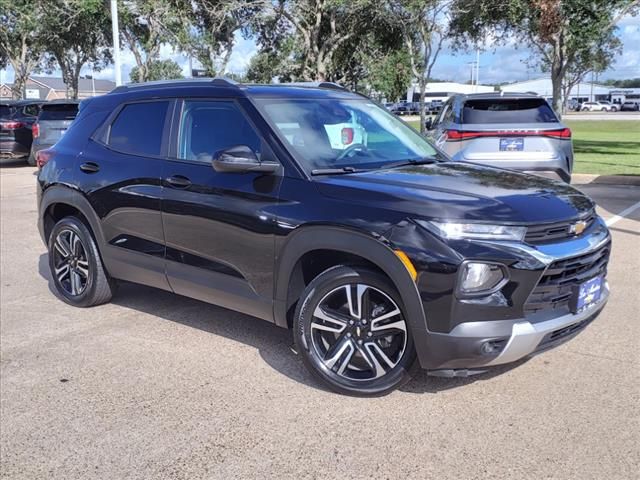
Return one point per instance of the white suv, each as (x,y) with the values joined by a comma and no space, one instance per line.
(598,107)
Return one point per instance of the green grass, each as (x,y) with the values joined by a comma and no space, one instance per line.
(608,147)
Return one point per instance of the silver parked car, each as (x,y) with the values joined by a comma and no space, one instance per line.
(513,131)
(53,121)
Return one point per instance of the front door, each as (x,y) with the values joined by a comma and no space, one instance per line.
(219,227)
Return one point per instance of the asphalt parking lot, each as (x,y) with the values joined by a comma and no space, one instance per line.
(155,385)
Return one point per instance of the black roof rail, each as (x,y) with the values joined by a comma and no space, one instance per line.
(331,85)
(217,81)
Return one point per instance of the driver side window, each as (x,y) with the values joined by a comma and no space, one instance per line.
(207,127)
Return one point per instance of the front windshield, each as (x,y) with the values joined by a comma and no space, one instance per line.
(337,133)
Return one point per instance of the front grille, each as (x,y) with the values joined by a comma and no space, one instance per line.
(556,286)
(556,337)
(550,232)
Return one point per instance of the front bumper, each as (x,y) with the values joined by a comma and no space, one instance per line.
(489,335)
(462,348)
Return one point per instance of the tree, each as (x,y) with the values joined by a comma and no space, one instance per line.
(391,76)
(145,26)
(209,29)
(320,28)
(157,70)
(559,31)
(21,43)
(425,26)
(76,33)
(595,59)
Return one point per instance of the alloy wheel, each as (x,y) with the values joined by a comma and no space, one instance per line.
(71,265)
(358,332)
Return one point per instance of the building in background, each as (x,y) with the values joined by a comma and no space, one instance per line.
(582,92)
(621,95)
(443,90)
(51,88)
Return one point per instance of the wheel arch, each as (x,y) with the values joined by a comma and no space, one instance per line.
(61,200)
(344,242)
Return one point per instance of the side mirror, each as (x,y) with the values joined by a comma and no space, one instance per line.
(428,123)
(241,159)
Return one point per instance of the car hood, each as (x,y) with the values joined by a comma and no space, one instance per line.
(460,191)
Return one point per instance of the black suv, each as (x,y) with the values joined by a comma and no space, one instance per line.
(316,209)
(16,121)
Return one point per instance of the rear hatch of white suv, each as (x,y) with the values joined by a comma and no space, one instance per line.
(515,133)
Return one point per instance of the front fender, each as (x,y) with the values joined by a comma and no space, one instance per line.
(307,239)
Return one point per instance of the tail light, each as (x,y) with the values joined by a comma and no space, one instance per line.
(12,125)
(43,156)
(347,136)
(35,130)
(455,135)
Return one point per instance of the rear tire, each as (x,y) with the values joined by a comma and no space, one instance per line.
(350,329)
(76,267)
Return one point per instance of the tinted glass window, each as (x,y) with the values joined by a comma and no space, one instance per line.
(60,111)
(507,110)
(138,128)
(31,110)
(208,127)
(6,111)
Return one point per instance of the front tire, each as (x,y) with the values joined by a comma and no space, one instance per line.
(351,331)
(76,267)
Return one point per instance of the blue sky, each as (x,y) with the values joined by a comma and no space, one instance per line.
(504,63)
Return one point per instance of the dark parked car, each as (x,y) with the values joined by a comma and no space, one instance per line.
(16,120)
(379,256)
(53,121)
(506,130)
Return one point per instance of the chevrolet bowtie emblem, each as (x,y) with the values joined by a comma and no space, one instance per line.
(578,227)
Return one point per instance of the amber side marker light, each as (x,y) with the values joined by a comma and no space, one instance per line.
(407,264)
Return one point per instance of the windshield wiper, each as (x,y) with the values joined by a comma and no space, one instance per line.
(334,171)
(411,161)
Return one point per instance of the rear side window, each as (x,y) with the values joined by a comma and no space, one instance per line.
(138,128)
(32,110)
(61,111)
(6,111)
(508,110)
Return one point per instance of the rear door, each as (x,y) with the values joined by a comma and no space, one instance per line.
(54,120)
(119,170)
(219,227)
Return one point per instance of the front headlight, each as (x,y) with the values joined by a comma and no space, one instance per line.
(476,231)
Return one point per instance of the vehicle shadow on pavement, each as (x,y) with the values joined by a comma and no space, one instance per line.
(274,344)
(13,162)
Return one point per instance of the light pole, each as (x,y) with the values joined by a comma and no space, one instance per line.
(116,40)
(477,68)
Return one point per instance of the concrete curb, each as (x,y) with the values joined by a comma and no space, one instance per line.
(585,178)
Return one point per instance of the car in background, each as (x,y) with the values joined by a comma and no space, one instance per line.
(16,120)
(630,106)
(53,121)
(436,105)
(406,108)
(506,130)
(598,107)
(573,105)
